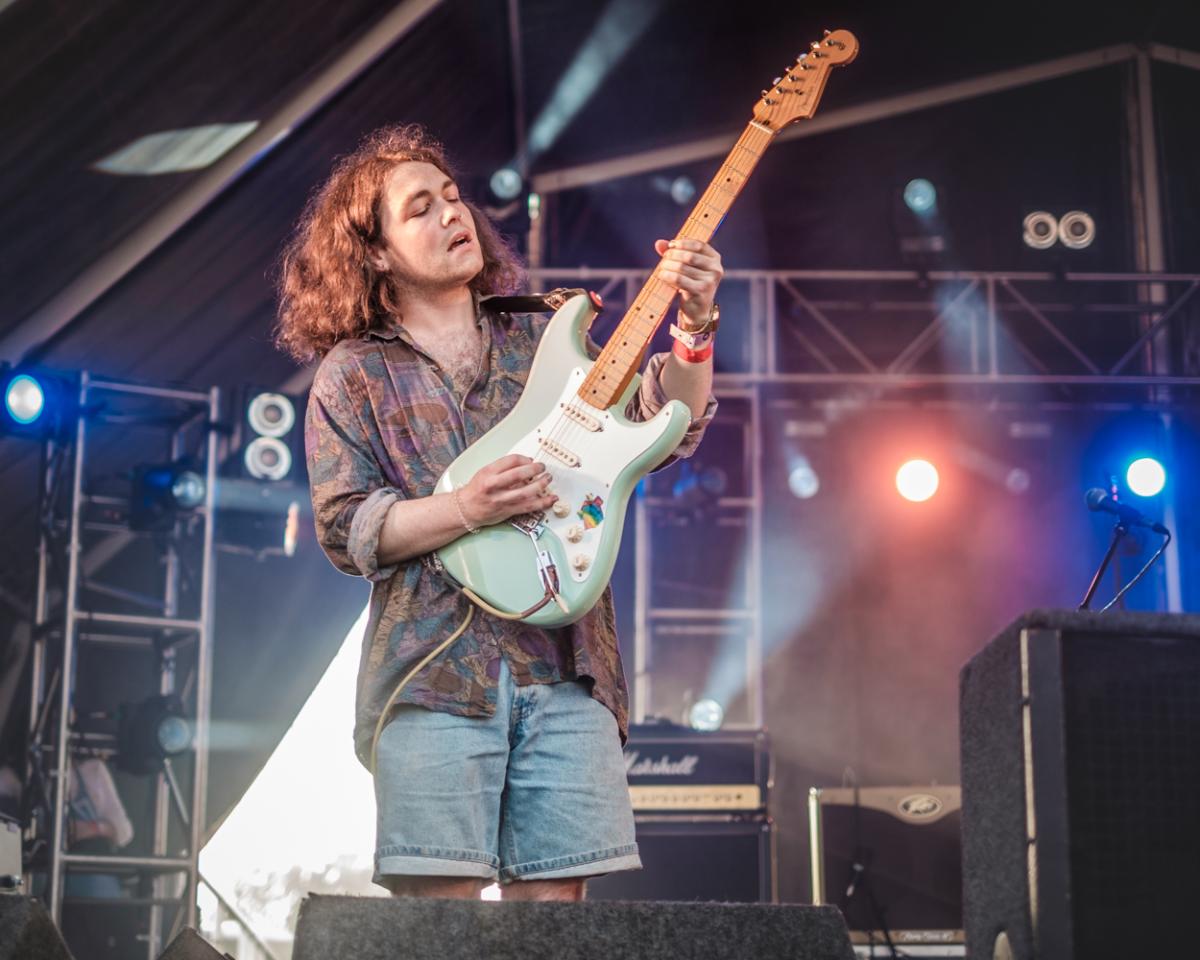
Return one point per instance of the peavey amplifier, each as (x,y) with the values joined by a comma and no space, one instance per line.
(675,769)
(889,857)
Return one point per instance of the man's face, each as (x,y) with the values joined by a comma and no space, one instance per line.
(428,232)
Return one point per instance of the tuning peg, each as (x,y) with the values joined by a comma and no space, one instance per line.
(793,78)
(815,45)
(826,33)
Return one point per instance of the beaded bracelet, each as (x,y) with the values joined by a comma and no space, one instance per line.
(461,514)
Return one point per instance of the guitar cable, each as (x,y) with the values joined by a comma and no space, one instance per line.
(436,651)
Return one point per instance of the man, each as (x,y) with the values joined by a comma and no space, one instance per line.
(502,756)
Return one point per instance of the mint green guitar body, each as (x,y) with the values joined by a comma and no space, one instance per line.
(595,459)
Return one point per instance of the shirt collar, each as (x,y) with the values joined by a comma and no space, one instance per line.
(393,329)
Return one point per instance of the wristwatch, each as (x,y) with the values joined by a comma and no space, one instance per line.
(696,338)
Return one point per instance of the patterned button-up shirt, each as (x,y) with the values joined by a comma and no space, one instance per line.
(383,423)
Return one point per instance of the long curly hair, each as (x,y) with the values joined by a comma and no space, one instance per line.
(328,288)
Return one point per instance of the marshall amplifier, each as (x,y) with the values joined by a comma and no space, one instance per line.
(677,770)
(727,858)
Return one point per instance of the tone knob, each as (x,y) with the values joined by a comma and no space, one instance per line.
(581,561)
(574,533)
(561,508)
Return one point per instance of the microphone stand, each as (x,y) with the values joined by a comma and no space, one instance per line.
(1119,531)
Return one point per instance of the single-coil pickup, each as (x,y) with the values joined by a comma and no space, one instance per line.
(558,451)
(583,419)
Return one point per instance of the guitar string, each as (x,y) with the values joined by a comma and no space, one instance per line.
(565,431)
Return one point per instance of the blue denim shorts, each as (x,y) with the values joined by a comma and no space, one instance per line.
(536,792)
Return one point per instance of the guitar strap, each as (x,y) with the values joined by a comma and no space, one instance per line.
(538,302)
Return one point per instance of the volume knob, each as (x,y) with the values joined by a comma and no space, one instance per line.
(561,508)
(574,533)
(581,561)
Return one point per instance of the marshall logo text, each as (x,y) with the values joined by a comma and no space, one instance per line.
(685,766)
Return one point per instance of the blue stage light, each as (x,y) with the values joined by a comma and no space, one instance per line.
(506,183)
(24,399)
(920,196)
(1146,477)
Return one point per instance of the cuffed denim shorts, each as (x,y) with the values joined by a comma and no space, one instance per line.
(536,792)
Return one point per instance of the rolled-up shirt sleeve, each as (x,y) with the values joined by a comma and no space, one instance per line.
(650,398)
(350,495)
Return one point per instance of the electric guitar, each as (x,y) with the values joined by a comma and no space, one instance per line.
(550,568)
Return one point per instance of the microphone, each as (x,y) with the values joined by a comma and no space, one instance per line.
(1099,501)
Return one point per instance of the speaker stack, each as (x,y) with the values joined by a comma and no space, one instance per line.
(700,809)
(1081,787)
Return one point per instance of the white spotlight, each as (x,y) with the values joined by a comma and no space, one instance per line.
(1040,230)
(1076,230)
(271,414)
(682,190)
(267,458)
(803,480)
(706,715)
(505,183)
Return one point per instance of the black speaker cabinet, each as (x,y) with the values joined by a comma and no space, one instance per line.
(889,858)
(1081,787)
(26,932)
(392,928)
(723,858)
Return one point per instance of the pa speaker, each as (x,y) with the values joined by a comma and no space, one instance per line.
(374,928)
(1081,786)
(26,932)
(189,945)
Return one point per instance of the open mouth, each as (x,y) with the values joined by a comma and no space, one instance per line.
(461,240)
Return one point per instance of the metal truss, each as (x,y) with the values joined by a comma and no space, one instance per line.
(905,328)
(81,510)
(727,621)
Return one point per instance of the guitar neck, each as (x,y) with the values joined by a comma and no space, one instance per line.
(621,356)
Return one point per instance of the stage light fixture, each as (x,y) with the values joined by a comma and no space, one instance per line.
(698,486)
(1040,230)
(917,480)
(267,458)
(1146,477)
(506,183)
(1017,481)
(271,414)
(24,399)
(266,439)
(920,196)
(682,190)
(803,480)
(150,732)
(37,404)
(161,492)
(706,715)
(1076,230)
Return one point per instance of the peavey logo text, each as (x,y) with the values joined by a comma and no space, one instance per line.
(685,766)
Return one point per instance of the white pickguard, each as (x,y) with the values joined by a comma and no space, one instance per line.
(602,454)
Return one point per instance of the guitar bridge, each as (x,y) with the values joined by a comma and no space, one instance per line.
(530,524)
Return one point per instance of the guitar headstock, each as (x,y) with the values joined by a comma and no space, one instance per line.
(795,95)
